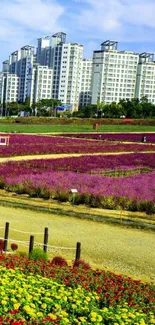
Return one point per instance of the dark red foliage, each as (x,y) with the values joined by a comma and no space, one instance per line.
(1,244)
(60,261)
(14,246)
(81,263)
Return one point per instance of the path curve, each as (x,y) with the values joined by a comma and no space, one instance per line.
(66,155)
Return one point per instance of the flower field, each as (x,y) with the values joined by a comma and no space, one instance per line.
(45,293)
(42,292)
(130,137)
(116,181)
(21,145)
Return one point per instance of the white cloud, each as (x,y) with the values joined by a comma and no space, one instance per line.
(25,20)
(119,18)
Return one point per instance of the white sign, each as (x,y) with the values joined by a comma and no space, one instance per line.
(73,190)
(4,141)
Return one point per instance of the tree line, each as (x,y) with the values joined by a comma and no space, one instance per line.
(44,107)
(133,108)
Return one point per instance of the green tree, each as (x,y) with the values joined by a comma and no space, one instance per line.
(47,107)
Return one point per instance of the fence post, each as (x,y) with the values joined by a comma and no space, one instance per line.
(78,251)
(31,244)
(6,236)
(45,240)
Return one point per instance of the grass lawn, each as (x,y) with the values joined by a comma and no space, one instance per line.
(24,128)
(119,249)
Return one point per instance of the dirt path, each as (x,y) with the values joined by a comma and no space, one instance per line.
(119,249)
(65,155)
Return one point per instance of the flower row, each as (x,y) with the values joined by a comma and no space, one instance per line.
(133,137)
(32,297)
(35,145)
(111,289)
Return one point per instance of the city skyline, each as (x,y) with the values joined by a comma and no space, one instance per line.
(87,22)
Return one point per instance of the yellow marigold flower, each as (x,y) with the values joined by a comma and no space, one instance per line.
(39,314)
(142,322)
(88,298)
(4,302)
(16,306)
(66,321)
(82,319)
(63,313)
(99,318)
(52,316)
(93,319)
(73,306)
(93,314)
(43,306)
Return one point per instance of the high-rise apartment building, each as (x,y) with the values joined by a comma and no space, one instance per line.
(86,79)
(70,74)
(66,61)
(26,65)
(45,48)
(145,86)
(57,70)
(40,83)
(114,74)
(11,88)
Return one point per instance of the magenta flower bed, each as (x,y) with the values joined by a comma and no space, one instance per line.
(83,164)
(135,137)
(56,177)
(137,187)
(34,145)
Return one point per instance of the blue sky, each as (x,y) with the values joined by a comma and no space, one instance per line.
(88,22)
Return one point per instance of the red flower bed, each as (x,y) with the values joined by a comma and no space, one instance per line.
(112,289)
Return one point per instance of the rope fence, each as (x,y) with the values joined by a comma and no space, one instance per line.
(25,232)
(31,243)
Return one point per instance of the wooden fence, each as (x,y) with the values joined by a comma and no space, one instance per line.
(31,242)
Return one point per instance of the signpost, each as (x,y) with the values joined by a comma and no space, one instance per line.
(4,140)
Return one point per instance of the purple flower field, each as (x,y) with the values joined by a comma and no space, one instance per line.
(130,137)
(36,145)
(54,178)
(135,187)
(83,164)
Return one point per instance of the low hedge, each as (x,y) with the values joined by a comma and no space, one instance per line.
(76,121)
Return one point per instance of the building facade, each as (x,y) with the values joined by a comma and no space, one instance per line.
(56,69)
(11,88)
(145,85)
(114,74)
(70,74)
(85,82)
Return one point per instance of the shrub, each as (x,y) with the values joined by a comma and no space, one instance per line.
(14,246)
(21,254)
(82,264)
(60,261)
(38,254)
(146,206)
(1,245)
(95,201)
(2,183)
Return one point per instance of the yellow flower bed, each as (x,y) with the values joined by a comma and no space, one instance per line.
(36,297)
